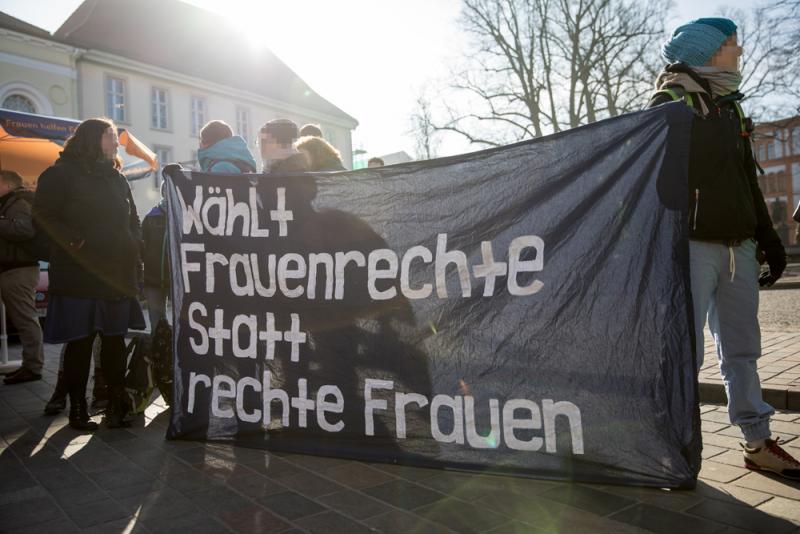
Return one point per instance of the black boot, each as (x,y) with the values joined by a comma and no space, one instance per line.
(99,392)
(59,399)
(117,408)
(79,416)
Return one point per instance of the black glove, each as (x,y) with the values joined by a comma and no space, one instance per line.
(776,259)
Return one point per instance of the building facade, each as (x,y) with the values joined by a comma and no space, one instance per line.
(159,79)
(777,149)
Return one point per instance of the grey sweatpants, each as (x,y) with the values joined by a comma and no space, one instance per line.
(18,293)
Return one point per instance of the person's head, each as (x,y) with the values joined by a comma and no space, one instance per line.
(311,129)
(704,42)
(93,140)
(319,153)
(9,181)
(214,132)
(276,137)
(375,162)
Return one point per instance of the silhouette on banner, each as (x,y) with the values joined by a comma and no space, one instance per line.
(519,310)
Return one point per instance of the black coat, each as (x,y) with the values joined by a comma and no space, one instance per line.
(88,212)
(725,202)
(156,254)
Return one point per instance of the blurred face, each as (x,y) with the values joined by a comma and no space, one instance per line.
(109,143)
(727,57)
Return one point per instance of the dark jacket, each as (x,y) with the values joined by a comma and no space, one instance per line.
(725,202)
(156,257)
(294,163)
(88,212)
(16,227)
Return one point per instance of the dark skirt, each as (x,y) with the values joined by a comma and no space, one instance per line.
(71,318)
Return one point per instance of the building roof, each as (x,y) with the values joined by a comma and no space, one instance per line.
(189,40)
(12,23)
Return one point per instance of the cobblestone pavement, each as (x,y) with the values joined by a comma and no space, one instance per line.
(779,309)
(53,479)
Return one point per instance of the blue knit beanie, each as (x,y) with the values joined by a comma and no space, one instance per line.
(696,42)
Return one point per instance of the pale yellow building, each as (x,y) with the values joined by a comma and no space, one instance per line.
(161,68)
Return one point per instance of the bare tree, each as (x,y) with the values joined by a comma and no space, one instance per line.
(770,36)
(541,66)
(423,131)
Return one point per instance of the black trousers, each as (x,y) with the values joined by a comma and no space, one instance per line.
(78,358)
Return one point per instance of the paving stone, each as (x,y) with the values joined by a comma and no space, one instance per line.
(14,479)
(718,472)
(781,507)
(11,497)
(276,468)
(709,451)
(77,494)
(784,427)
(397,522)
(291,505)
(60,526)
(589,499)
(730,457)
(218,499)
(740,516)
(311,485)
(332,523)
(719,440)
(769,483)
(188,481)
(676,500)
(354,504)
(94,513)
(730,493)
(662,521)
(254,485)
(405,471)
(514,527)
(404,494)
(716,417)
(162,503)
(316,463)
(253,520)
(128,525)
(190,524)
(464,486)
(710,426)
(121,476)
(461,516)
(132,490)
(65,475)
(357,475)
(29,512)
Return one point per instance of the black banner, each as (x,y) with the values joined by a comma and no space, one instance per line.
(521,310)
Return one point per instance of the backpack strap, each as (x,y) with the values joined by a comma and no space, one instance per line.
(677,94)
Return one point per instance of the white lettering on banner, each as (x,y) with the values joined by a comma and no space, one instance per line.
(452,419)
(217,213)
(294,275)
(222,334)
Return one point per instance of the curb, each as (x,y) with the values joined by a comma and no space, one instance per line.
(780,399)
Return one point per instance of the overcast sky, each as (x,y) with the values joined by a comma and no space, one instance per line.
(371,57)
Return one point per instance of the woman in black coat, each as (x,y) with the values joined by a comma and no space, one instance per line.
(84,204)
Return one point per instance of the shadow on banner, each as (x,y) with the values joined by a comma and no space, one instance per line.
(520,310)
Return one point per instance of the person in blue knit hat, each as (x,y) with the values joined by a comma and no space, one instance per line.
(729,224)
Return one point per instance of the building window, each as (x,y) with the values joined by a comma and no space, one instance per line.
(243,123)
(164,156)
(17,102)
(771,150)
(762,152)
(116,108)
(796,141)
(158,109)
(198,114)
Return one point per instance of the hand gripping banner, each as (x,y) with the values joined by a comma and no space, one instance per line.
(521,310)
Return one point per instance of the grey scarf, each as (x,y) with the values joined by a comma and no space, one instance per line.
(722,82)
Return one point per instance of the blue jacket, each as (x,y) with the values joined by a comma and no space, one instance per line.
(219,157)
